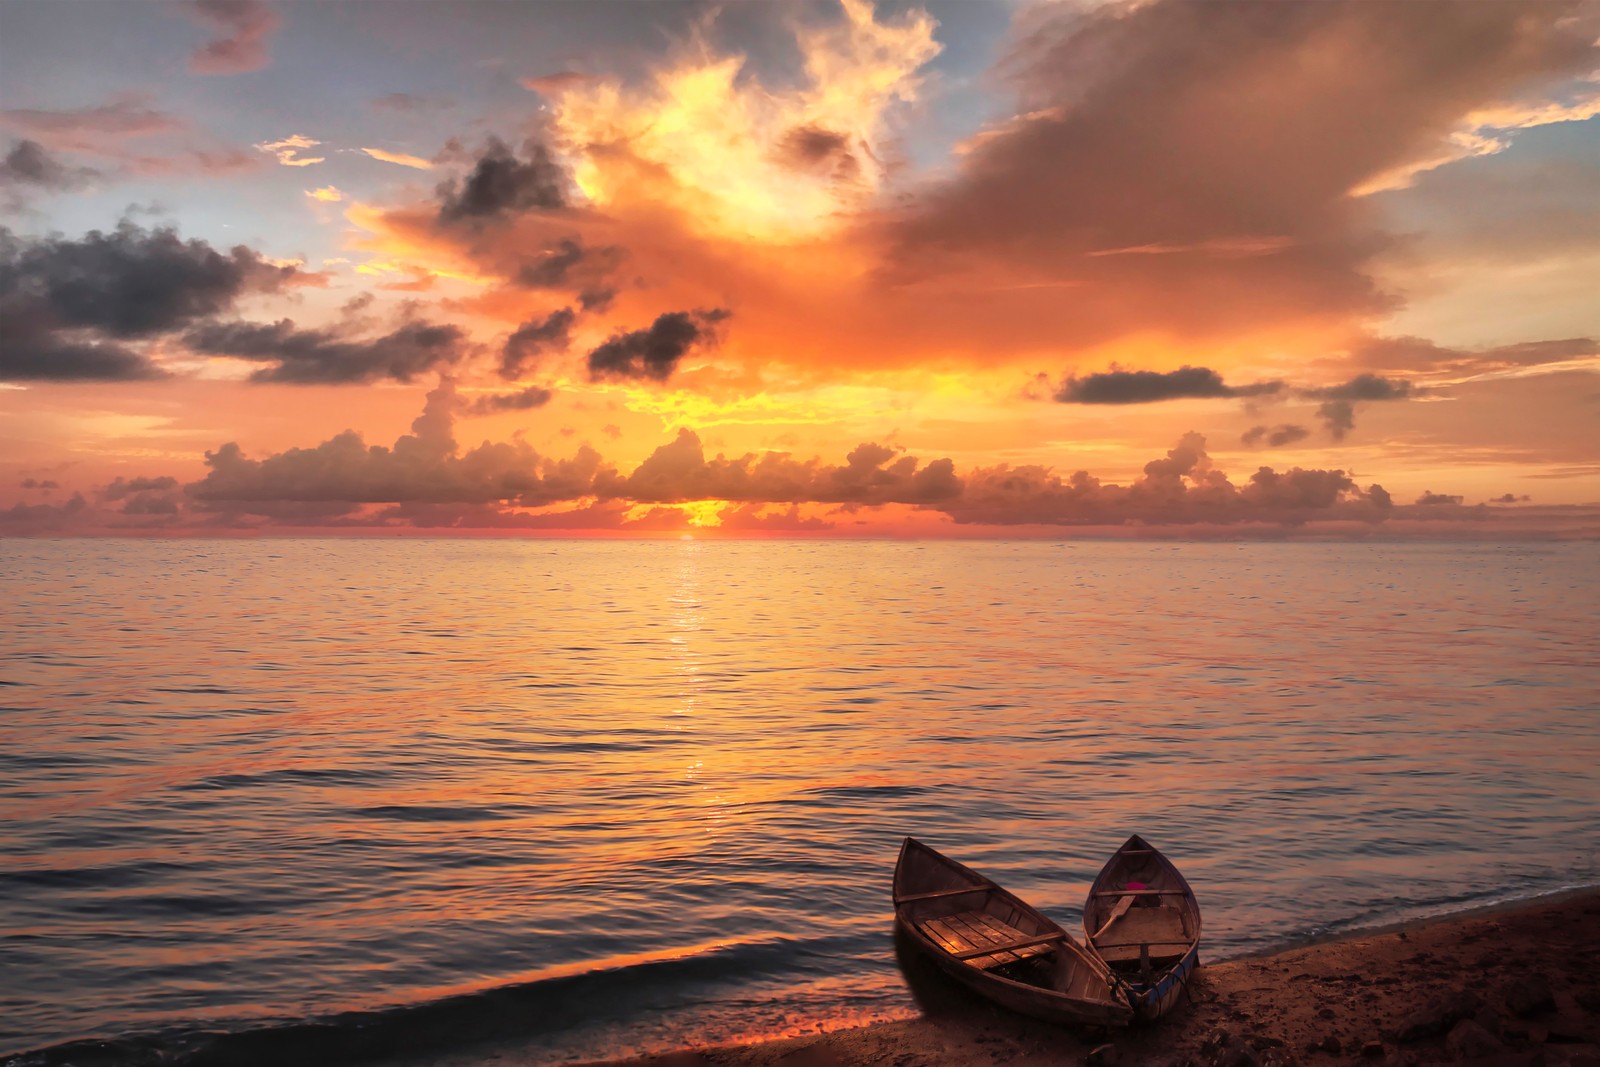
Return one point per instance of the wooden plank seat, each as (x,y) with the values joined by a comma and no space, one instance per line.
(1144,944)
(984,941)
(941,893)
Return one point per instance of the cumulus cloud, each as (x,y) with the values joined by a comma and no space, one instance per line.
(655,351)
(1143,386)
(330,356)
(679,471)
(425,465)
(66,304)
(533,339)
(705,130)
(427,479)
(502,184)
(1234,157)
(242,29)
(1182,487)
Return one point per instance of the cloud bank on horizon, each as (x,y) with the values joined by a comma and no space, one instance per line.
(1025,242)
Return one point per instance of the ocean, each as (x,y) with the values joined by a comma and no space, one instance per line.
(624,796)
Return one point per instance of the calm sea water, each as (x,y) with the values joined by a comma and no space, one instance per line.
(623,796)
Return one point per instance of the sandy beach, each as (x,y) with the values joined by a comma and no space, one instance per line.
(1511,985)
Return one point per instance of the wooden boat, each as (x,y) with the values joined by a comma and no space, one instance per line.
(1144,923)
(996,945)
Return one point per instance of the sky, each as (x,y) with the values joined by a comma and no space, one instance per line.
(1122,269)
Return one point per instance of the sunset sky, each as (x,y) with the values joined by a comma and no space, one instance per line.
(961,269)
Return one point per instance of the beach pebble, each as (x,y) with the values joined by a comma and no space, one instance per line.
(1438,1017)
(1103,1056)
(1372,1050)
(1236,1054)
(1469,1041)
(1329,1044)
(1530,996)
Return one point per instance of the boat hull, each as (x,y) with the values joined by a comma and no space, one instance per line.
(1140,910)
(969,927)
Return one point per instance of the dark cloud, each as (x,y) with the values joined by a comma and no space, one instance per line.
(500,184)
(1430,499)
(1274,436)
(1337,410)
(1510,498)
(156,498)
(522,400)
(596,299)
(569,264)
(1366,387)
(44,518)
(35,483)
(536,338)
(29,166)
(327,356)
(1144,386)
(64,303)
(654,352)
(820,150)
(37,355)
(242,28)
(122,488)
(1188,167)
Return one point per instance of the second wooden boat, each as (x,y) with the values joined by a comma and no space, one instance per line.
(998,946)
(1143,921)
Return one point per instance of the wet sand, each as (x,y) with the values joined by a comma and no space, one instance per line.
(1514,985)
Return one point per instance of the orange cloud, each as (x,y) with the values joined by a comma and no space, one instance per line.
(401,158)
(287,151)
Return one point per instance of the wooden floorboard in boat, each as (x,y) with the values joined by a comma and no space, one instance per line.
(1122,936)
(968,931)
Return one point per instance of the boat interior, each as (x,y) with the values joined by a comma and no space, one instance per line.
(1144,921)
(985,929)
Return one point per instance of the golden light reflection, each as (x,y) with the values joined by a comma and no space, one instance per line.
(741,159)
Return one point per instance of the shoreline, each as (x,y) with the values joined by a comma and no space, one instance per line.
(1511,982)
